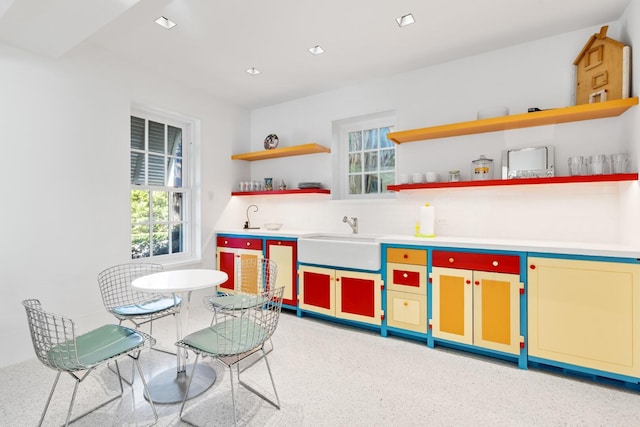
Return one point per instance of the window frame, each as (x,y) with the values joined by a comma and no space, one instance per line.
(189,220)
(361,124)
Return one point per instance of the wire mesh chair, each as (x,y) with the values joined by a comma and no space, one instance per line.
(239,330)
(252,275)
(58,347)
(125,303)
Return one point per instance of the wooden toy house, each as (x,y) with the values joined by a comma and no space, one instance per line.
(602,70)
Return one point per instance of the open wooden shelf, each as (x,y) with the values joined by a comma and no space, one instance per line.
(296,150)
(518,181)
(517,121)
(275,192)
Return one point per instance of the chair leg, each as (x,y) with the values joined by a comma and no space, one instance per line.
(55,383)
(233,396)
(145,387)
(186,392)
(276,404)
(73,399)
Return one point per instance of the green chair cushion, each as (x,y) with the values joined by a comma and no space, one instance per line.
(95,347)
(238,301)
(148,307)
(233,336)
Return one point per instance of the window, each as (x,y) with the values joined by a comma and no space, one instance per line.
(160,192)
(368,157)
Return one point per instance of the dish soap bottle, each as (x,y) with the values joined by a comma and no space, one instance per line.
(426,225)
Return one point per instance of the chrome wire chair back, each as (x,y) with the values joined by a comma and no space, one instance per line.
(125,303)
(252,275)
(239,331)
(58,347)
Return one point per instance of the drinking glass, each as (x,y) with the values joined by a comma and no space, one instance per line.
(619,162)
(576,164)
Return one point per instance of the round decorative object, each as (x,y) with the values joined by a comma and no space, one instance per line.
(271,141)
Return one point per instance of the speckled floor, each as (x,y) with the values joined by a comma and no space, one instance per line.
(329,375)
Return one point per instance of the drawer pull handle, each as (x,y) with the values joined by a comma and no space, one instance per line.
(532,266)
(405,275)
(405,303)
(226,242)
(494,263)
(477,282)
(451,260)
(468,282)
(405,256)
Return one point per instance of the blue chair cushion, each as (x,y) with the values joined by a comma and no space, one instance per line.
(148,307)
(94,347)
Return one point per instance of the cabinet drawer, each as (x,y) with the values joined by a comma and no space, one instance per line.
(239,243)
(407,278)
(474,261)
(407,311)
(407,256)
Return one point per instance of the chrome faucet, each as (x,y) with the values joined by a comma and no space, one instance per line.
(353,223)
(247,223)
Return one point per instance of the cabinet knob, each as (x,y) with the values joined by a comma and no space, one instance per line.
(467,281)
(405,256)
(451,260)
(248,243)
(494,263)
(532,266)
(477,282)
(405,303)
(405,275)
(226,242)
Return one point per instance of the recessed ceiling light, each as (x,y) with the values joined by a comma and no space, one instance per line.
(405,20)
(316,50)
(253,71)
(165,22)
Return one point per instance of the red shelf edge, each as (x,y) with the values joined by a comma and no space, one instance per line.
(518,181)
(274,192)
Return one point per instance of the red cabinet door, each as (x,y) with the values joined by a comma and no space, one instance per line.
(227,262)
(317,290)
(359,296)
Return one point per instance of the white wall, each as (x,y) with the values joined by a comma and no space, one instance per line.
(536,74)
(65,140)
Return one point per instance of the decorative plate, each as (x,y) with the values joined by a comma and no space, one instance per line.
(271,141)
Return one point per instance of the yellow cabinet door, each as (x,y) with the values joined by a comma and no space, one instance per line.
(496,311)
(283,253)
(477,307)
(585,313)
(452,294)
(406,310)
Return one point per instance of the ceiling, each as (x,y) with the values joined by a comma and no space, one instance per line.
(215,41)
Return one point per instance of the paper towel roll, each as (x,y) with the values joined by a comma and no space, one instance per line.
(427,220)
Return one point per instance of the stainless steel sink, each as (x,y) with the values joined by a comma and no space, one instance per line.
(357,251)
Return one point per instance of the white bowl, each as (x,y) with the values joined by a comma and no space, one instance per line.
(432,176)
(272,226)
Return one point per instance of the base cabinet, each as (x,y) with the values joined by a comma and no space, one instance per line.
(406,280)
(343,294)
(585,313)
(284,254)
(229,250)
(480,308)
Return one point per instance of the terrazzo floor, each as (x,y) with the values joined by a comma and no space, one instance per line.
(331,375)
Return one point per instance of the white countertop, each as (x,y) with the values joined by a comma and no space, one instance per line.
(519,245)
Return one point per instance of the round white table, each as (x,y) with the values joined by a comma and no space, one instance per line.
(169,386)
